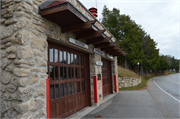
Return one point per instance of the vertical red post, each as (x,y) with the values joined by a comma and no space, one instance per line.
(95,89)
(115,84)
(47,98)
(102,88)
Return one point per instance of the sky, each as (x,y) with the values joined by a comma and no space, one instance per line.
(159,18)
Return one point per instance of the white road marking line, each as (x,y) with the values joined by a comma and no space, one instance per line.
(166,92)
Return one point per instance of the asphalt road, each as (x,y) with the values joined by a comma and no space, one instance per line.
(160,100)
(166,93)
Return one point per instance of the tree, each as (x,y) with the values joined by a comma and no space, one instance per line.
(131,37)
(111,20)
(173,63)
(136,42)
(162,63)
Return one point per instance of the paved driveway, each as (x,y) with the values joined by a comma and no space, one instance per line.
(149,103)
(128,104)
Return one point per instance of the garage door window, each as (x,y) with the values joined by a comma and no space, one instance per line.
(67,74)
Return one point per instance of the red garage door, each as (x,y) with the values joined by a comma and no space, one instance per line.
(107,82)
(69,80)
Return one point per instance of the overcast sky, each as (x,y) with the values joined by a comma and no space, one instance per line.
(159,18)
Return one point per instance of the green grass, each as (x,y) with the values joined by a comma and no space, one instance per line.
(127,73)
(142,85)
(173,73)
(122,72)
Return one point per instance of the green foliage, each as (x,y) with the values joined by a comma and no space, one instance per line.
(136,42)
(132,38)
(167,62)
(163,64)
(111,20)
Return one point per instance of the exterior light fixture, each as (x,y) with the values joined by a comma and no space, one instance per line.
(138,69)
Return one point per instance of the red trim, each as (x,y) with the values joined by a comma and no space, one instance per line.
(102,88)
(47,98)
(95,89)
(115,84)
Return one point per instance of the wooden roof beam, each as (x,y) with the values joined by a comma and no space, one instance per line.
(110,48)
(93,21)
(118,55)
(78,27)
(102,31)
(98,40)
(87,39)
(115,53)
(112,51)
(103,45)
(110,37)
(89,35)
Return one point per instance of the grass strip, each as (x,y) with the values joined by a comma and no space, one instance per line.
(143,84)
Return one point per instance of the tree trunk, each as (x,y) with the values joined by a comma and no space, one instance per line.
(129,65)
(141,70)
(126,64)
(133,69)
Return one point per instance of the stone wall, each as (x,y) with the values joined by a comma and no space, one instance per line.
(23,61)
(128,82)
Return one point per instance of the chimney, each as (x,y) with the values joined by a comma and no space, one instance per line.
(93,10)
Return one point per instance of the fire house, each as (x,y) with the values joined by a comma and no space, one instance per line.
(58,58)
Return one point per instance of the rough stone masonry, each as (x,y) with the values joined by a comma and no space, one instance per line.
(23,61)
(128,81)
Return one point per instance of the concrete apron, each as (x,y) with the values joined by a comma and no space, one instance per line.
(81,113)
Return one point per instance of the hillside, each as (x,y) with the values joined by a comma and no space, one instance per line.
(122,72)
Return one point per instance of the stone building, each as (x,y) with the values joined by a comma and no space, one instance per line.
(60,40)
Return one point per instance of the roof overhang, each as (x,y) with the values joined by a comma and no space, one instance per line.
(71,19)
